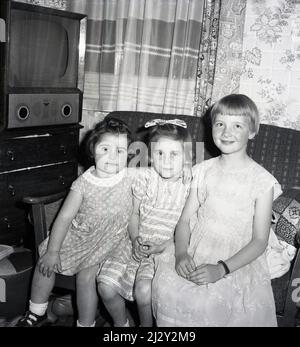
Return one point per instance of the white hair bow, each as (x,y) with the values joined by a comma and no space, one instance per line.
(155,122)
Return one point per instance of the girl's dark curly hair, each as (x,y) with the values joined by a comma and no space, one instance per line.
(109,125)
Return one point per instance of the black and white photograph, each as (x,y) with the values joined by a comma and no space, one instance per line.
(149,167)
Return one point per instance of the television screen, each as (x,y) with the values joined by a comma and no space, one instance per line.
(43,50)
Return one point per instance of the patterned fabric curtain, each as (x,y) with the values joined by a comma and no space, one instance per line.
(143,54)
(207,56)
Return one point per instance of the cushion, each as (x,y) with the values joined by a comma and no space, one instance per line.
(286,216)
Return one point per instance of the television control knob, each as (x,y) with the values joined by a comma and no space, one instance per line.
(61,180)
(6,222)
(66,110)
(11,155)
(23,112)
(11,190)
(63,149)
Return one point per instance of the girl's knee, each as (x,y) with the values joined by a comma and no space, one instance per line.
(106,291)
(143,290)
(86,276)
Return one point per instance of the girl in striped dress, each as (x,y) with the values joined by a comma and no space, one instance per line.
(159,194)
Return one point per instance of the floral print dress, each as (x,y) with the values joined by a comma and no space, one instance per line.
(101,222)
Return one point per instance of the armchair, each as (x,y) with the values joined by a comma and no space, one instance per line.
(43,210)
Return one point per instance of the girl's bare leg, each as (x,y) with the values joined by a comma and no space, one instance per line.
(114,303)
(86,295)
(41,287)
(143,298)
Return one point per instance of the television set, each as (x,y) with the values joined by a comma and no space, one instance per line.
(42,66)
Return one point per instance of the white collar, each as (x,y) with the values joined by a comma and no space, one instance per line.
(104,182)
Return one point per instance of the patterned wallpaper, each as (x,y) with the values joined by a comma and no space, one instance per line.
(259,55)
(271,60)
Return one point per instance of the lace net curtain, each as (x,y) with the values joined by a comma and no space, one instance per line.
(149,55)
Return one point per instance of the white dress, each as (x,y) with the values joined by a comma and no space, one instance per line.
(222,227)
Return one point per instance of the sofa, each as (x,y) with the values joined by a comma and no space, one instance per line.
(277,150)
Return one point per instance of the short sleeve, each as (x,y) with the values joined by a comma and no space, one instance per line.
(264,181)
(277,190)
(199,173)
(79,185)
(140,183)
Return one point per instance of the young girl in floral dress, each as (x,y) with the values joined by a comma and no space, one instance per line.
(90,225)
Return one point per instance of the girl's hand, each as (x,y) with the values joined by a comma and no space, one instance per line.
(49,262)
(184,265)
(206,273)
(152,248)
(187,174)
(138,253)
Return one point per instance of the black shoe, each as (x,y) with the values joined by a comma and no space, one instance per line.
(32,320)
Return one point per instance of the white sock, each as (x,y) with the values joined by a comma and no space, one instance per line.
(85,326)
(38,309)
